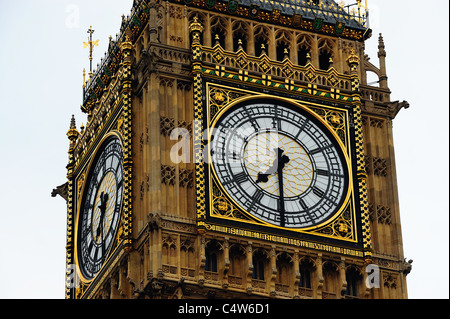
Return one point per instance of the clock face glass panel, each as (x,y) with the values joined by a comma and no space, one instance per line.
(279,163)
(101,206)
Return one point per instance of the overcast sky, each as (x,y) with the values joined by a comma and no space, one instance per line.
(42,59)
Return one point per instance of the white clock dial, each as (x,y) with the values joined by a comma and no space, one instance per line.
(100,208)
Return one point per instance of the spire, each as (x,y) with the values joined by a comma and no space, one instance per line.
(381,47)
(382,58)
(72,133)
(73,124)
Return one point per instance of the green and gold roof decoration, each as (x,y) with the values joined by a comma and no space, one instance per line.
(321,16)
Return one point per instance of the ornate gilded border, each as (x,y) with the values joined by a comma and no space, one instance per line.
(342,227)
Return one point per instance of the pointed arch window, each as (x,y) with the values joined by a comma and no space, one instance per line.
(211,261)
(304,49)
(283,40)
(211,256)
(353,278)
(218,31)
(326,48)
(261,40)
(240,36)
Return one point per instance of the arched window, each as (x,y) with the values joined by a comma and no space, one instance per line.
(237,257)
(211,256)
(353,278)
(331,279)
(325,59)
(284,262)
(259,261)
(283,39)
(240,36)
(258,269)
(211,261)
(326,48)
(304,49)
(218,31)
(261,40)
(306,268)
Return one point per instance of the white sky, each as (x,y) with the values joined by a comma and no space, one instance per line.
(42,60)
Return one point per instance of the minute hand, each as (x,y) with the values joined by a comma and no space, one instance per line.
(282,161)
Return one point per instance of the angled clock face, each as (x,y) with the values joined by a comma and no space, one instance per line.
(100,208)
(279,163)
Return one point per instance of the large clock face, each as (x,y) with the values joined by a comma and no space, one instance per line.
(100,208)
(279,163)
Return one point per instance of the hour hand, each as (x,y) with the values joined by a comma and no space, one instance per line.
(280,161)
(103,200)
(262,178)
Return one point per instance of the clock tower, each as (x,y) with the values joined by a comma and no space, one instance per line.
(235,149)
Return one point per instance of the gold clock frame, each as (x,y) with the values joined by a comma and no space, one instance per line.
(84,179)
(220,98)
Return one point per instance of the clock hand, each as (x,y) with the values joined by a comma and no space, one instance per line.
(103,202)
(281,163)
(264,177)
(277,167)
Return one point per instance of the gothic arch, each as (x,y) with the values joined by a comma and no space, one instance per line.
(237,257)
(219,27)
(326,48)
(240,33)
(283,40)
(304,48)
(262,37)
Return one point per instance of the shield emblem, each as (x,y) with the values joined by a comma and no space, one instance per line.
(296,20)
(232,6)
(339,27)
(254,10)
(318,24)
(210,3)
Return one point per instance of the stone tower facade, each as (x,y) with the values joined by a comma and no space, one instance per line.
(173,72)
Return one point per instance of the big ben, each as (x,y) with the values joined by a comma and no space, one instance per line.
(235,149)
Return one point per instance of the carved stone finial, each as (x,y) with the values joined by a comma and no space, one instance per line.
(73,134)
(353,61)
(196,26)
(381,47)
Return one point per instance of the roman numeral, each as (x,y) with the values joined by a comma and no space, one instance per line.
(318,192)
(241,178)
(323,172)
(303,204)
(256,197)
(276,123)
(320,149)
(234,156)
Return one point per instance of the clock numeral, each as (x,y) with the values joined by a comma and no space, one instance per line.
(256,197)
(318,192)
(234,156)
(320,149)
(303,204)
(241,178)
(323,172)
(276,124)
